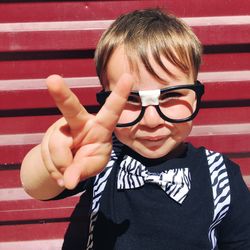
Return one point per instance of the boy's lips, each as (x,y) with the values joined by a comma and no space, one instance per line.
(152,138)
(152,142)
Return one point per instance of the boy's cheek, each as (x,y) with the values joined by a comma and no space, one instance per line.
(176,135)
(178,132)
(124,135)
(184,130)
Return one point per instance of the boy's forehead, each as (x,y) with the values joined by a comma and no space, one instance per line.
(154,85)
(120,64)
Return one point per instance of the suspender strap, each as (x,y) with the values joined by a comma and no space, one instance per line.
(220,190)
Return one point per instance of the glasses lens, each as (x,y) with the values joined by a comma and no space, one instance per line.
(132,110)
(178,104)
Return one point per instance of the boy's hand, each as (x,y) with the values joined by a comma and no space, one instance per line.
(79,145)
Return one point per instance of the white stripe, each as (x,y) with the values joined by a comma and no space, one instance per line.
(224,76)
(98,185)
(13,194)
(26,84)
(221,129)
(55,26)
(223,183)
(16,194)
(206,77)
(221,206)
(33,244)
(103,24)
(217,20)
(225,192)
(211,159)
(216,173)
(21,139)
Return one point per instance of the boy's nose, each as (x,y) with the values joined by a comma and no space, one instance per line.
(151,118)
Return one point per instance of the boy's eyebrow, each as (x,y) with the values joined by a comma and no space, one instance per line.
(136,92)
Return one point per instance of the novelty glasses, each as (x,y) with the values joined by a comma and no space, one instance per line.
(174,104)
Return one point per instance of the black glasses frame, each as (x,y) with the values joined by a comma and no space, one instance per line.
(197,87)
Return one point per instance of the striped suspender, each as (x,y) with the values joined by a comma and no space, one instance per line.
(221,192)
(98,188)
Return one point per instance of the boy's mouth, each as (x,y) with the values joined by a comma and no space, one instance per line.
(152,142)
(152,138)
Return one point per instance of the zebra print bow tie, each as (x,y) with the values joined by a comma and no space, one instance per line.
(175,182)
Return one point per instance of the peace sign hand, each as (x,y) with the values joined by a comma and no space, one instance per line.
(79,145)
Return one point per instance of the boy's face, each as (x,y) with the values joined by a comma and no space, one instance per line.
(151,137)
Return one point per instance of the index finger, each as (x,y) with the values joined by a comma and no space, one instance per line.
(67,102)
(112,108)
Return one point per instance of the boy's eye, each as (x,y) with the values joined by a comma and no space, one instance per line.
(170,95)
(134,100)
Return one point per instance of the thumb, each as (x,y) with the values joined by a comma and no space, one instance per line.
(72,176)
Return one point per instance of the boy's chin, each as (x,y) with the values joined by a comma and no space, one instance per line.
(152,153)
(158,152)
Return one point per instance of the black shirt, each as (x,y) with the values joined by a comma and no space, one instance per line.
(146,218)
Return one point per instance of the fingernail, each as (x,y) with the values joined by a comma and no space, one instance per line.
(60,182)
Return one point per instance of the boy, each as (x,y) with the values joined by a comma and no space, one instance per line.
(149,189)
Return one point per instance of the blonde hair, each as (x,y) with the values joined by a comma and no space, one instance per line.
(154,31)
